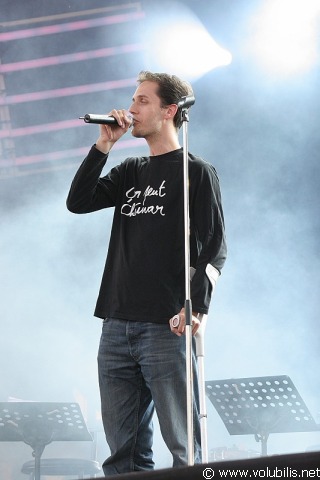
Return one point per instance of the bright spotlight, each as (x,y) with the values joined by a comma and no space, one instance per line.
(181,44)
(285,39)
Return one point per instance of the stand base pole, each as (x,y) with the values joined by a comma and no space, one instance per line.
(37,453)
(263,438)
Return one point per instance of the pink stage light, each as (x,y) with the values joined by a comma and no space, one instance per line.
(71,57)
(67,91)
(70,26)
(47,127)
(64,154)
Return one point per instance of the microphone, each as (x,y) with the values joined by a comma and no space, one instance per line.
(186,102)
(102,119)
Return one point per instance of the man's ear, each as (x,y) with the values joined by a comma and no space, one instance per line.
(171,111)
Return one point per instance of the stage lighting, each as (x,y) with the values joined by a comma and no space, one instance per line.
(177,42)
(285,39)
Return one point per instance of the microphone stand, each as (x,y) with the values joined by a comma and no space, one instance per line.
(185,104)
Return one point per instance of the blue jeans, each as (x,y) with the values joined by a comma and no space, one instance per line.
(142,366)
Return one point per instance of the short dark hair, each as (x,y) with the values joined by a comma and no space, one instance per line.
(171,90)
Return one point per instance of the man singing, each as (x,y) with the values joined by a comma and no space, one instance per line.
(141,359)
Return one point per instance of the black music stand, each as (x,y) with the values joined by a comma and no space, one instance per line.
(38,424)
(260,406)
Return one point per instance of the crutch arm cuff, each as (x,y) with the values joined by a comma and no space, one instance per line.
(213,274)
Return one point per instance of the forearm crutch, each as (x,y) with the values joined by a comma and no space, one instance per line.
(213,276)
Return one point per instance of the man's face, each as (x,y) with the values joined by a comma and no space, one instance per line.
(146,110)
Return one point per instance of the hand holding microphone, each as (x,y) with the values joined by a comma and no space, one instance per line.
(112,127)
(105,119)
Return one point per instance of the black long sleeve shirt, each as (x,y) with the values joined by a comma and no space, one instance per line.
(143,279)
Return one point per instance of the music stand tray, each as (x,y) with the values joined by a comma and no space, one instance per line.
(38,424)
(260,406)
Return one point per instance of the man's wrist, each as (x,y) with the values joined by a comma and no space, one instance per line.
(103,147)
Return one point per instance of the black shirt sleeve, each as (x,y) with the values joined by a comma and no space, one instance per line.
(89,192)
(208,233)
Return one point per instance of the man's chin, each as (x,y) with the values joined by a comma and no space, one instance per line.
(135,133)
